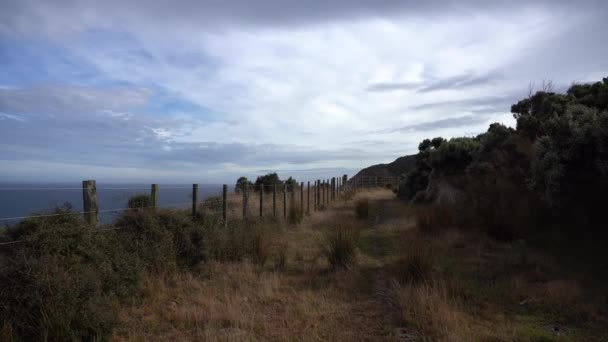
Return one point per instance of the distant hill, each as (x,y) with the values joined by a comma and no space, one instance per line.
(392,170)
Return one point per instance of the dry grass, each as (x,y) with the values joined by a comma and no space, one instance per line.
(427,311)
(362,209)
(404,284)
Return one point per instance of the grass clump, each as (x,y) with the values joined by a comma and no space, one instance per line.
(294,215)
(340,243)
(415,265)
(362,208)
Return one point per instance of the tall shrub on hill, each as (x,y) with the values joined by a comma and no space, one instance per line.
(558,154)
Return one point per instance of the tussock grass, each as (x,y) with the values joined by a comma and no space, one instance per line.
(362,208)
(340,242)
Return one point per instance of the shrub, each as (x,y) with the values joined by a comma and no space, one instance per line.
(146,236)
(59,284)
(340,243)
(140,201)
(362,208)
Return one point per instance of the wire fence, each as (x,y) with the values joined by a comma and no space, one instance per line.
(247,201)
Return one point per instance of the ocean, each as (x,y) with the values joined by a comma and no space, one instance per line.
(17,200)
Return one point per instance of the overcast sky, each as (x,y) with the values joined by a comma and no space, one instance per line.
(206,91)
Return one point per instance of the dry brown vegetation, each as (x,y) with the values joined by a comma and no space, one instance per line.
(411,276)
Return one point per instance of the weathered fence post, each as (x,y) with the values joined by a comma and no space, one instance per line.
(292,196)
(274,199)
(89,202)
(245,200)
(333,188)
(261,200)
(308,197)
(154,195)
(301,198)
(323,192)
(285,200)
(194,199)
(225,204)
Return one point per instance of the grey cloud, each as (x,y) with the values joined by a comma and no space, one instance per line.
(69,100)
(486,104)
(458,121)
(455,82)
(67,134)
(214,15)
(382,87)
(461,81)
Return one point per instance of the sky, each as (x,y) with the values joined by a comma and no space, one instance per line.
(207,91)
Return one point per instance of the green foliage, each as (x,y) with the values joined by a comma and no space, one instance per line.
(454,155)
(241,184)
(558,154)
(60,283)
(291,183)
(140,201)
(268,181)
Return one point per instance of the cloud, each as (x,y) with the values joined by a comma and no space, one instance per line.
(460,81)
(380,87)
(487,104)
(459,121)
(225,87)
(450,83)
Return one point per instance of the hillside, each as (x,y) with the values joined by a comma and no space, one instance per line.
(398,167)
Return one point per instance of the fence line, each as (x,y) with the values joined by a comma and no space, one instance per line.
(323,193)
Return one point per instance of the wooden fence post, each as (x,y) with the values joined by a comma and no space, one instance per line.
(154,195)
(308,197)
(274,199)
(261,200)
(245,190)
(292,196)
(225,204)
(89,202)
(301,198)
(194,199)
(333,188)
(285,200)
(320,194)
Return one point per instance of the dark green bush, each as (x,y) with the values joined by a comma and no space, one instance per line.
(140,201)
(60,282)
